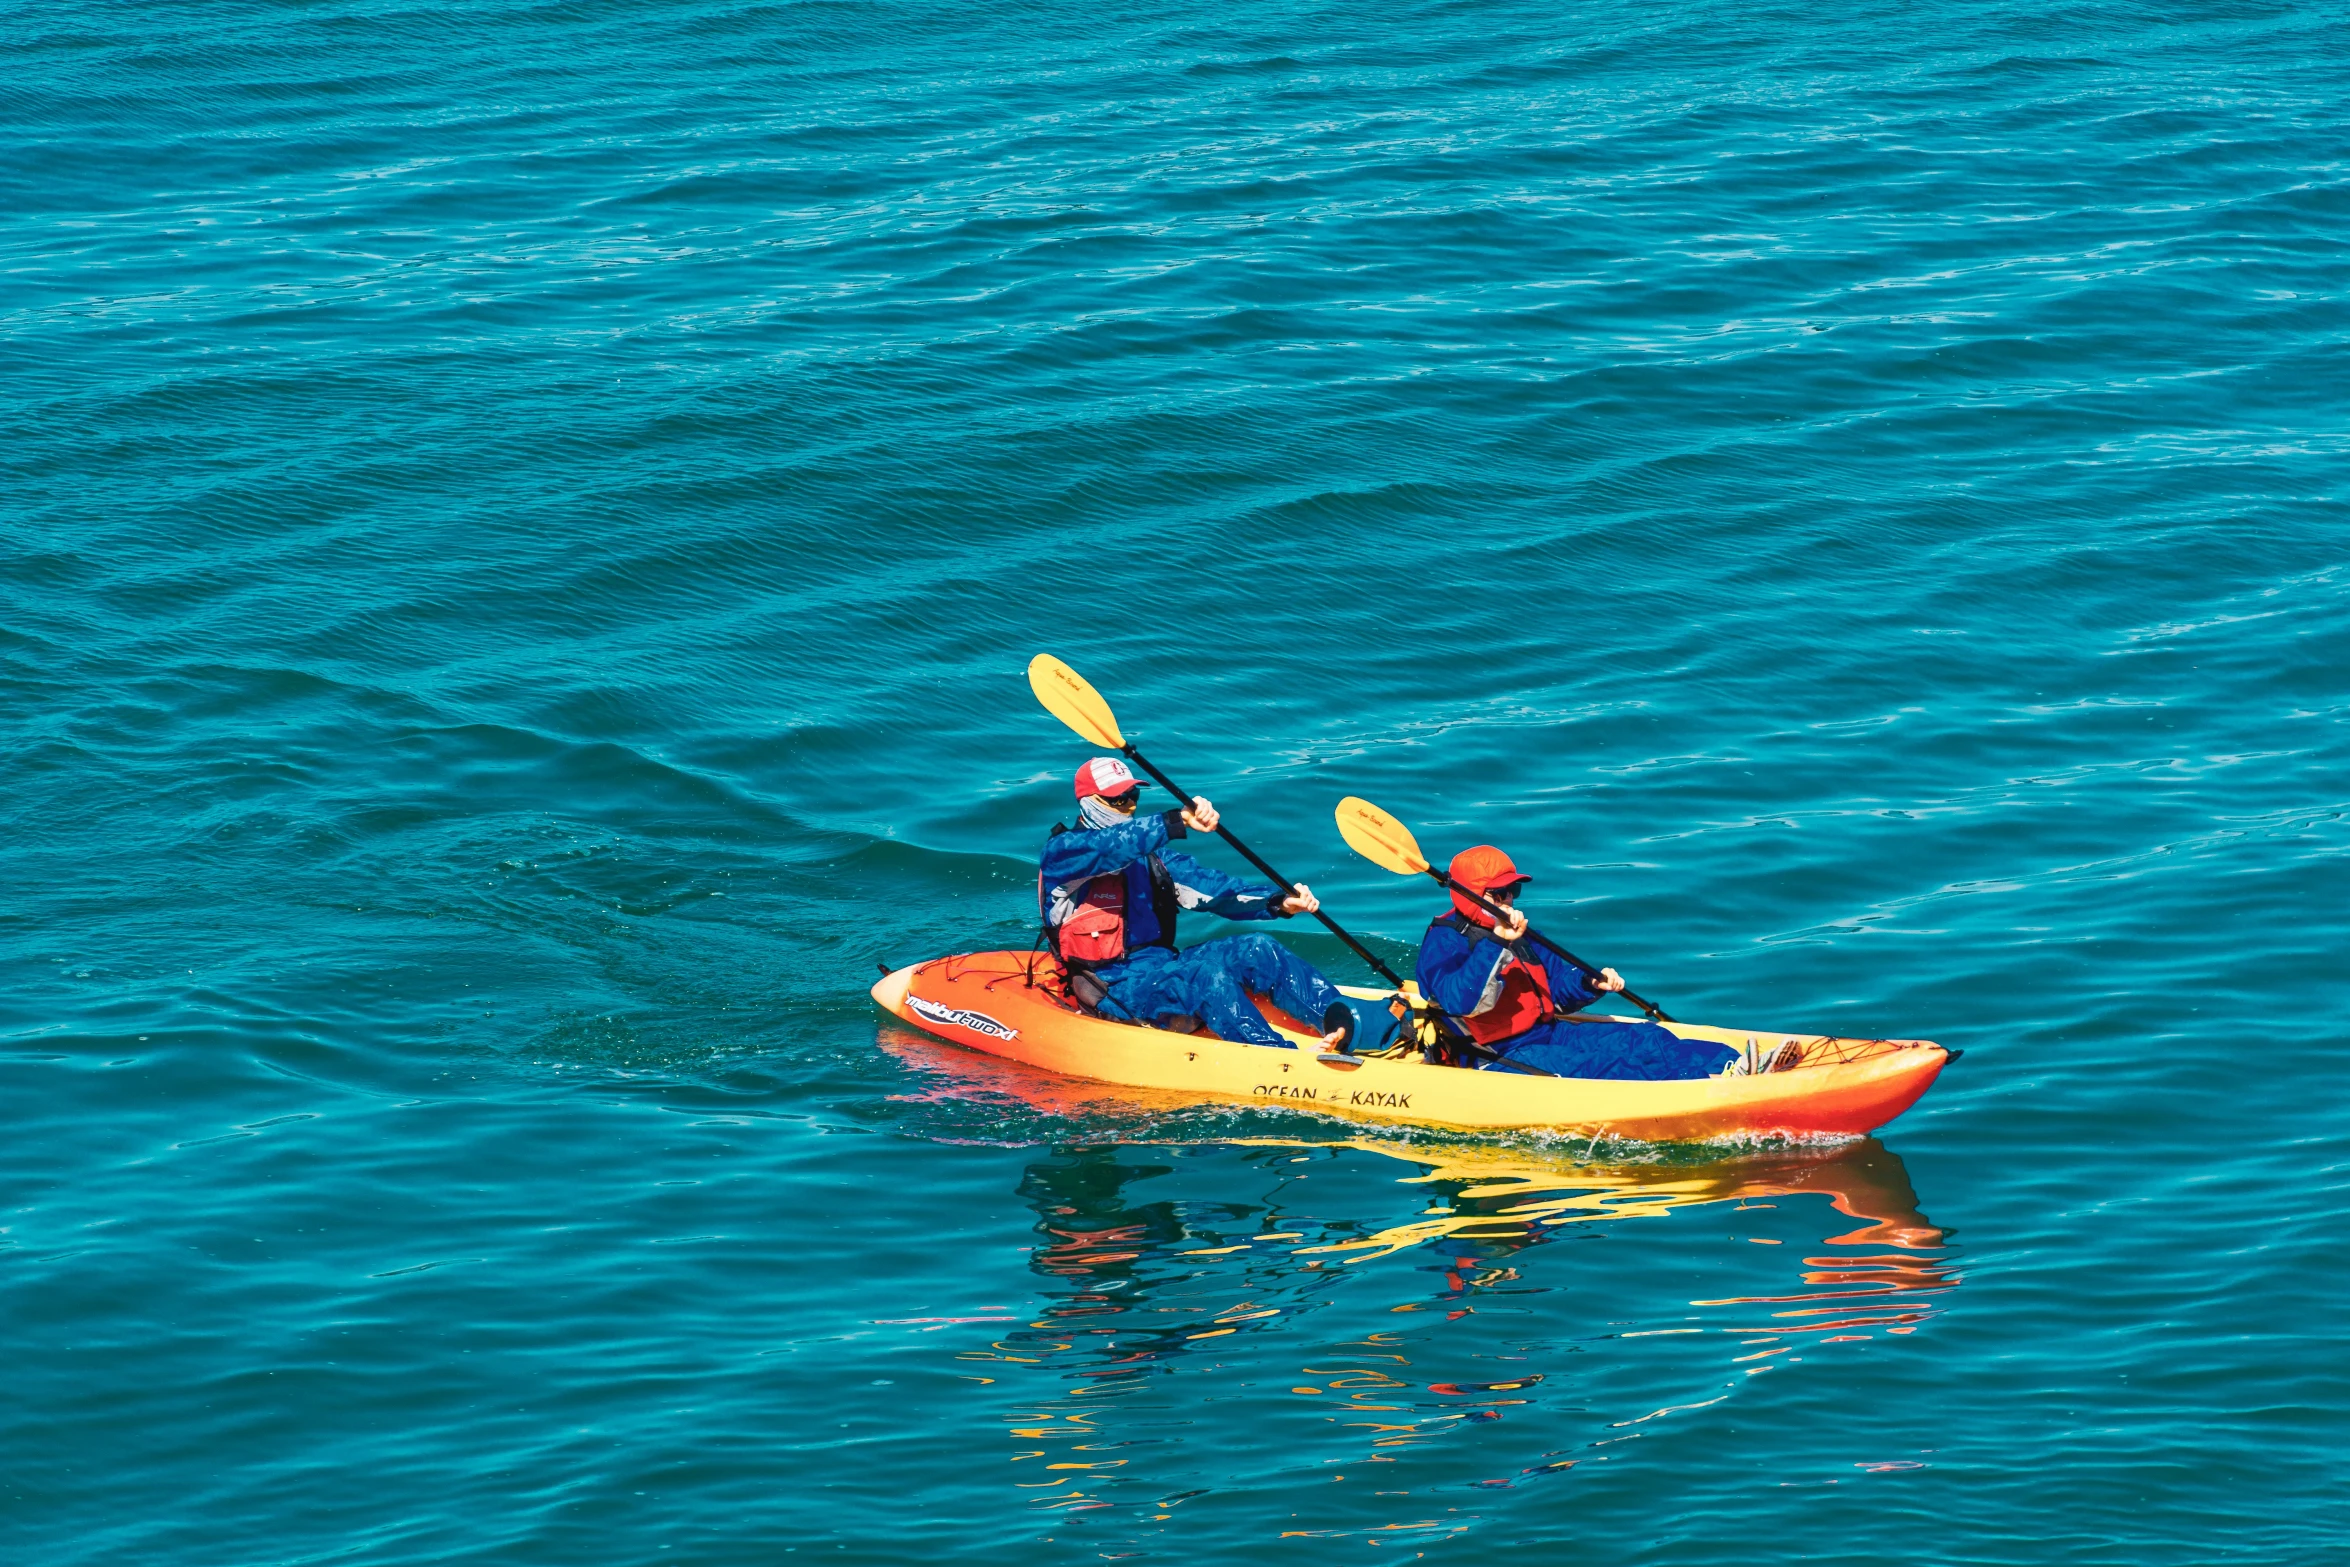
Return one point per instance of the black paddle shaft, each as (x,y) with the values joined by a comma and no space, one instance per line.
(1287,886)
(1654,1011)
(1445,1024)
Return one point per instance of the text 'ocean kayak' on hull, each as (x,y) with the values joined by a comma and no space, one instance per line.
(1008,1004)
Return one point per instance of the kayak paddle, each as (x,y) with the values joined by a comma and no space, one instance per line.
(1067,696)
(1071,698)
(1389,844)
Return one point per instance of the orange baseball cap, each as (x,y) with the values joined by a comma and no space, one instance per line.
(1482,869)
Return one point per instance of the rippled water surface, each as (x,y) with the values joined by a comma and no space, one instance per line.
(520,529)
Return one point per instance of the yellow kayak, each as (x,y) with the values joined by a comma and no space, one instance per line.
(1009,1004)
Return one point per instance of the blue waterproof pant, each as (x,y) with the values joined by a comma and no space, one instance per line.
(1213,981)
(1640,1051)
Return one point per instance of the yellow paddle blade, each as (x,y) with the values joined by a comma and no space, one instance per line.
(1066,696)
(1379,837)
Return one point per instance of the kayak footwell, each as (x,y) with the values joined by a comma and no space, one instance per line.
(1008,1004)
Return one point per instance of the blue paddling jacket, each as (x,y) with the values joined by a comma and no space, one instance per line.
(1465,969)
(1107,892)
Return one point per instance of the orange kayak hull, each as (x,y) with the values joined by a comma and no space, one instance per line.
(1008,1005)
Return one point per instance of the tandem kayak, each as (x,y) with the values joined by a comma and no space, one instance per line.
(1009,1005)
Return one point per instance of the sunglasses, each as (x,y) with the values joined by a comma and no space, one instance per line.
(1124,802)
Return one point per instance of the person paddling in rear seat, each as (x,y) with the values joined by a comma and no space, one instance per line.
(1109,890)
(1513,998)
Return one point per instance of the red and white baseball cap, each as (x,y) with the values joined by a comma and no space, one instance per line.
(1105,775)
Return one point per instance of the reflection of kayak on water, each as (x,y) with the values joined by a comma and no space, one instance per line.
(1503,1196)
(1498,1194)
(1877,1264)
(1163,1244)
(1007,1005)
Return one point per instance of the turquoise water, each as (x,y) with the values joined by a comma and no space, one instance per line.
(522,530)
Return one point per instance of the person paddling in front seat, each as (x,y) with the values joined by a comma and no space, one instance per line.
(1512,997)
(1109,891)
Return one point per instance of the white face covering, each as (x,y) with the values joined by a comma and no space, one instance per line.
(1094,811)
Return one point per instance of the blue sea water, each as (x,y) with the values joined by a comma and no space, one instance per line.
(521,526)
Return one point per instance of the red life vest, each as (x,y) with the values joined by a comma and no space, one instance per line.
(1096,932)
(1525,1001)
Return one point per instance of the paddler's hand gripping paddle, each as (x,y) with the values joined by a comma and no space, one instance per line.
(1069,697)
(1389,844)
